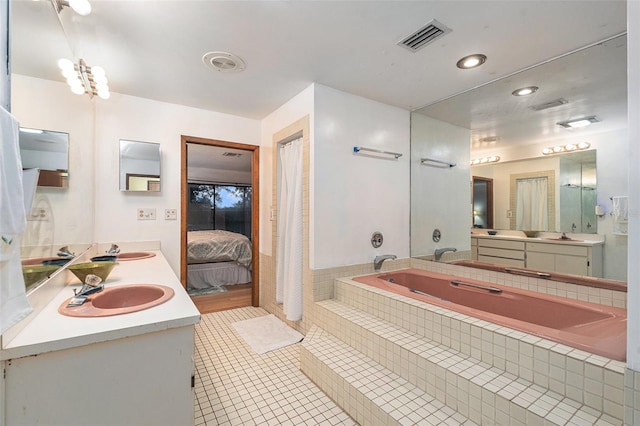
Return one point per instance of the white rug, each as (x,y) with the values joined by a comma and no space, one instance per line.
(266,333)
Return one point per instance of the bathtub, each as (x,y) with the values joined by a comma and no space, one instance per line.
(597,329)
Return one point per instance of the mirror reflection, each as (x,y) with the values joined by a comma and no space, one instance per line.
(529,137)
(556,194)
(48,151)
(139,166)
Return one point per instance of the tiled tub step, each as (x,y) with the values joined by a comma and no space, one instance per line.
(370,393)
(588,379)
(477,390)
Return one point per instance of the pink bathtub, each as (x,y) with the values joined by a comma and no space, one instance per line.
(598,329)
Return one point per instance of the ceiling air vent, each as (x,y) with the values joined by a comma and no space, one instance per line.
(550,104)
(425,35)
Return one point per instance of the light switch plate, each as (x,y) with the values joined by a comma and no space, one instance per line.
(146,214)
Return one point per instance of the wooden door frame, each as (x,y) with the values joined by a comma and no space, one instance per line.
(490,212)
(255,208)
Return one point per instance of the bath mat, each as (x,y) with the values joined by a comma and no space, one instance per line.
(208,290)
(266,333)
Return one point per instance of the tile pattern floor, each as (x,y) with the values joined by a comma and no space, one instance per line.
(235,386)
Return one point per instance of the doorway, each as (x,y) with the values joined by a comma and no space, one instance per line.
(219,251)
(482,190)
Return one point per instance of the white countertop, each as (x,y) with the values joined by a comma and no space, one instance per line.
(576,242)
(52,331)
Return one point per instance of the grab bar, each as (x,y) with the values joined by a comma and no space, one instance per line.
(422,293)
(481,287)
(525,272)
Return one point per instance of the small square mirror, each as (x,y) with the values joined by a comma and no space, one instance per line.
(139,166)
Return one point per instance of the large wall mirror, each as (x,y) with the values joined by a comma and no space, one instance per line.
(139,166)
(588,82)
(48,151)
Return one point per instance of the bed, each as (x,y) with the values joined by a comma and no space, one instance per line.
(217,258)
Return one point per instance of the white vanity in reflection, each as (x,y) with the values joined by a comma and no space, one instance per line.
(577,257)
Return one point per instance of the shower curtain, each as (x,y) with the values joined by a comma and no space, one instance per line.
(289,232)
(532,212)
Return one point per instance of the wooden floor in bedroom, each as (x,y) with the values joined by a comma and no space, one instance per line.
(237,296)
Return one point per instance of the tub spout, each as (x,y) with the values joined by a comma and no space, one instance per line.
(439,252)
(377,262)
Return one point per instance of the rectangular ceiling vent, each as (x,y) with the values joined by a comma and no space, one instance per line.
(425,35)
(550,104)
(231,154)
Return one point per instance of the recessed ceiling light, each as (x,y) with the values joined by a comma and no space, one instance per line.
(578,122)
(524,91)
(471,61)
(223,62)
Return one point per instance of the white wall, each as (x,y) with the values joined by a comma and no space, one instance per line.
(296,108)
(440,197)
(355,195)
(43,104)
(127,117)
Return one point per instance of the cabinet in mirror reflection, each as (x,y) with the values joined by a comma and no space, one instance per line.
(139,166)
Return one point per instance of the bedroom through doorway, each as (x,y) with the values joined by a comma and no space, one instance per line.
(219,213)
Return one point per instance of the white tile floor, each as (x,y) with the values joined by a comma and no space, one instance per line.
(235,386)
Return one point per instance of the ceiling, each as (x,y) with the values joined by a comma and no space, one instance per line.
(154,49)
(592,81)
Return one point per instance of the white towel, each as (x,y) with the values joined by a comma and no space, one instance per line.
(13,301)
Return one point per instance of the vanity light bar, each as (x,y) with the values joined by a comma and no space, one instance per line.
(485,160)
(82,78)
(559,149)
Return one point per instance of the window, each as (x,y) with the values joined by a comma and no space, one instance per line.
(222,207)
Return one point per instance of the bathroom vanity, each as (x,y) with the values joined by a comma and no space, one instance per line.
(134,368)
(577,257)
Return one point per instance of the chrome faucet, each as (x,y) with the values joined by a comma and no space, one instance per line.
(65,252)
(439,252)
(113,250)
(91,285)
(377,262)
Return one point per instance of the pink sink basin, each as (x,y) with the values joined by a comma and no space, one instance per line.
(135,255)
(119,300)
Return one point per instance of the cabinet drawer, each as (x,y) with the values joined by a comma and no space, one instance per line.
(503,244)
(474,242)
(497,252)
(558,249)
(501,261)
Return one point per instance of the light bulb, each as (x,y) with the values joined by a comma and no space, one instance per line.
(69,73)
(78,90)
(558,149)
(104,94)
(98,71)
(74,81)
(584,145)
(570,147)
(100,79)
(102,87)
(547,151)
(81,7)
(65,64)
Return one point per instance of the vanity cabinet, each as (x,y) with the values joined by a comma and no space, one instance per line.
(575,258)
(565,258)
(503,252)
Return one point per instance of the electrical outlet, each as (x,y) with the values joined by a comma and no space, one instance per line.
(170,214)
(509,213)
(38,214)
(146,214)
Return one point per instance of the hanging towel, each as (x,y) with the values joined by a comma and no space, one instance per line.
(13,301)
(289,240)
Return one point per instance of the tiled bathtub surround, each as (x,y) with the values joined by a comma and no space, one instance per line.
(632,397)
(487,373)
